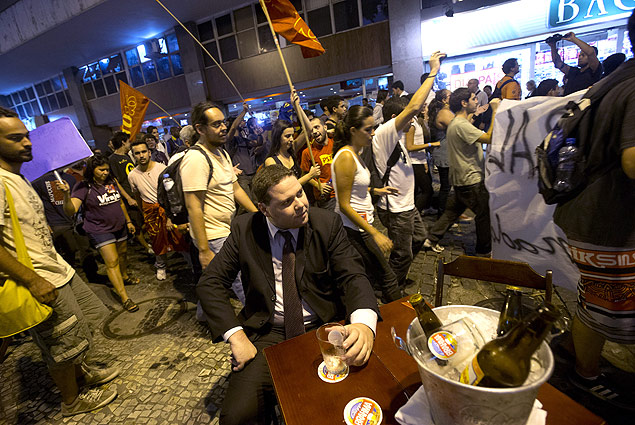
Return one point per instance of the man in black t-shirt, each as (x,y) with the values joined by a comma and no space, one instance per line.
(588,71)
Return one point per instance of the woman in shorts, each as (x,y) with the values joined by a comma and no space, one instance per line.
(351,181)
(106,221)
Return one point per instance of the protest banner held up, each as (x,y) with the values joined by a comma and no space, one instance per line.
(522,224)
(133,108)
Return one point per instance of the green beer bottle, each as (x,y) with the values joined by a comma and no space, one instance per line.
(511,313)
(428,320)
(504,362)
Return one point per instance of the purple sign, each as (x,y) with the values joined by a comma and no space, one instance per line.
(55,145)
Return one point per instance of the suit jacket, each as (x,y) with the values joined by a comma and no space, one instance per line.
(329,273)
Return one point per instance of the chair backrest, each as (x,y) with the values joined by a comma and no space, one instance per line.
(491,270)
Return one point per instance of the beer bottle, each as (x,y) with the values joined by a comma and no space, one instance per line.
(428,320)
(504,362)
(511,313)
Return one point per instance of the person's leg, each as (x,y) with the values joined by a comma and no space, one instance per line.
(423,187)
(400,231)
(64,243)
(588,349)
(86,257)
(419,233)
(215,245)
(122,253)
(66,381)
(249,397)
(377,268)
(476,198)
(93,310)
(444,189)
(453,210)
(111,260)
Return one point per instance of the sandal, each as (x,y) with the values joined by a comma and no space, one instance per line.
(131,280)
(130,306)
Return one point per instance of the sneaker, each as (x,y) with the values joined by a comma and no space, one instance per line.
(161,274)
(486,255)
(602,388)
(94,376)
(88,401)
(434,247)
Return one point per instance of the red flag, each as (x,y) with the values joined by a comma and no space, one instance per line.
(288,23)
(133,109)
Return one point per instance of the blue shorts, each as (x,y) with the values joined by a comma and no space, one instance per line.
(102,239)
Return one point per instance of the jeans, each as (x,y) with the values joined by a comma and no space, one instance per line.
(215,245)
(407,232)
(423,187)
(476,198)
(379,272)
(444,190)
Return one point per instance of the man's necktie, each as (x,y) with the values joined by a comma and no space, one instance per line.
(293,320)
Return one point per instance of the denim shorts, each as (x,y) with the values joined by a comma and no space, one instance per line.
(97,240)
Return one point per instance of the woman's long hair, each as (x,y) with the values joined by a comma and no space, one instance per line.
(545,87)
(92,163)
(276,137)
(354,117)
(433,111)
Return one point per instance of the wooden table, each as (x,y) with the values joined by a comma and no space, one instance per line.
(390,377)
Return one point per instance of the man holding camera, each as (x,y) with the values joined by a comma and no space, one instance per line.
(589,69)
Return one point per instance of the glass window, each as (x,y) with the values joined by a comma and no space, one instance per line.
(39,89)
(16,98)
(224,25)
(121,77)
(57,84)
(346,15)
(177,68)
(211,47)
(92,72)
(266,40)
(30,93)
(320,21)
(243,18)
(5,101)
(228,50)
(100,90)
(63,82)
(21,112)
(36,108)
(48,87)
(132,58)
(68,97)
(23,96)
(316,4)
(205,31)
(163,47)
(89,91)
(260,15)
(163,67)
(173,44)
(141,49)
(111,86)
(247,43)
(61,99)
(149,72)
(45,105)
(374,11)
(53,102)
(136,76)
(111,64)
(28,109)
(297,4)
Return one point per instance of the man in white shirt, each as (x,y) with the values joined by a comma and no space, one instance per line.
(303,272)
(398,212)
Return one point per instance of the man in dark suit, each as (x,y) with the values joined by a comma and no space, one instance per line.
(299,271)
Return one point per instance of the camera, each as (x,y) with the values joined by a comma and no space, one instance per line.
(554,38)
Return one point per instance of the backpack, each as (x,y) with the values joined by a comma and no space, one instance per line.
(376,179)
(577,123)
(176,211)
(498,91)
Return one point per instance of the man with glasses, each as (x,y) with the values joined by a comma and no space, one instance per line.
(210,186)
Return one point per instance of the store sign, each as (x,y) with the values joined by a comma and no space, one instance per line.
(567,12)
(485,77)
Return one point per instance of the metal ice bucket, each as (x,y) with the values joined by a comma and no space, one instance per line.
(454,403)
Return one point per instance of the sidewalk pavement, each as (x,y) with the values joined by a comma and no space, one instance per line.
(173,374)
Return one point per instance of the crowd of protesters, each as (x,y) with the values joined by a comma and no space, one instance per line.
(362,164)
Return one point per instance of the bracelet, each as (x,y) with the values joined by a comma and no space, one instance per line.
(128,222)
(431,76)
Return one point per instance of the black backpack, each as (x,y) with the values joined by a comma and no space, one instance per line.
(577,123)
(177,213)
(376,179)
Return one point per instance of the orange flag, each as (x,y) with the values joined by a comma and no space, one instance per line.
(133,109)
(288,23)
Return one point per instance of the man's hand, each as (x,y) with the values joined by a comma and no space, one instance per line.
(205,256)
(326,190)
(435,61)
(43,290)
(569,36)
(243,351)
(358,344)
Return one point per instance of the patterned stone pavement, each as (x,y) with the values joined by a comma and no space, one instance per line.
(173,374)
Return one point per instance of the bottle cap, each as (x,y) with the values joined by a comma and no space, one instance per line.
(415,298)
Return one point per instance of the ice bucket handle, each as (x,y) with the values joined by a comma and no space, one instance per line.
(399,342)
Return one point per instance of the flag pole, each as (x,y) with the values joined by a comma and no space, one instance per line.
(166,112)
(286,72)
(204,49)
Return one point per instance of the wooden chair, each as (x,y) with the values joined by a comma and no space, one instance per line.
(491,270)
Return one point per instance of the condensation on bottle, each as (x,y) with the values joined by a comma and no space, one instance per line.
(567,157)
(175,201)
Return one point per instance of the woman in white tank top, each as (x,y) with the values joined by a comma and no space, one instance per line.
(351,180)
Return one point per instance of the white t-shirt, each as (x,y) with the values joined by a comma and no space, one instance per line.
(219,206)
(401,174)
(360,200)
(39,244)
(146,182)
(418,157)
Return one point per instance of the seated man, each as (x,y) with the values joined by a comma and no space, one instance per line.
(299,271)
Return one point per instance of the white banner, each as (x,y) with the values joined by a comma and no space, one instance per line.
(522,224)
